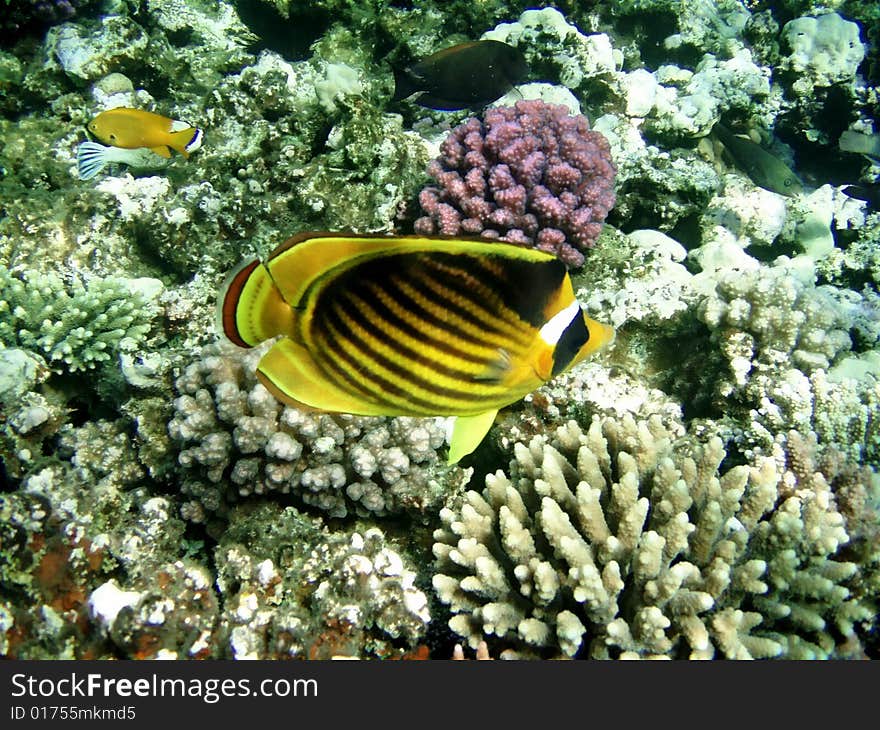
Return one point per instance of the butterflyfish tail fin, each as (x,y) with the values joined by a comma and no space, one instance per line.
(290,373)
(467,433)
(91,158)
(186,141)
(251,309)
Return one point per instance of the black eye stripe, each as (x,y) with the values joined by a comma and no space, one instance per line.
(573,338)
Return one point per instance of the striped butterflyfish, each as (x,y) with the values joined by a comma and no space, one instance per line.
(408,326)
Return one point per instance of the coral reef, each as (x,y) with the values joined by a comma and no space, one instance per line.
(297,590)
(547,40)
(624,541)
(529,174)
(27,16)
(157,502)
(824,50)
(780,338)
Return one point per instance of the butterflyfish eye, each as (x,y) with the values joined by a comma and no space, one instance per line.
(787,182)
(113,136)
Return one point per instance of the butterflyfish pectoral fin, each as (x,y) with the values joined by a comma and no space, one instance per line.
(467,433)
(291,374)
(495,372)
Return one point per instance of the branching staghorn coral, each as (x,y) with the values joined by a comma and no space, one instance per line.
(235,439)
(79,324)
(626,541)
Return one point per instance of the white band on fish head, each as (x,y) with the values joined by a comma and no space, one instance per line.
(557,324)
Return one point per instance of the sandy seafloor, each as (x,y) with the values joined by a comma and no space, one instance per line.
(706,487)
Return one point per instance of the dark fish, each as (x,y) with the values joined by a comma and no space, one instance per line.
(468,75)
(409,326)
(870,193)
(765,170)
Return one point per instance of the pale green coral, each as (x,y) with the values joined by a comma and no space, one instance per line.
(79,324)
(824,50)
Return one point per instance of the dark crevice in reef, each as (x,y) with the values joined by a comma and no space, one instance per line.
(290,37)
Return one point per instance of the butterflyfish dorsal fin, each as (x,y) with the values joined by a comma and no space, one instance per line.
(467,433)
(291,374)
(301,260)
(250,308)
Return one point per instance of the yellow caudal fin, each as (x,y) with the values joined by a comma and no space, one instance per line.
(186,140)
(289,372)
(467,433)
(250,308)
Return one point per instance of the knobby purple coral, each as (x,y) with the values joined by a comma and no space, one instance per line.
(531,174)
(20,16)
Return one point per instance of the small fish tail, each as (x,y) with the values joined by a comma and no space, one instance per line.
(186,141)
(251,309)
(91,158)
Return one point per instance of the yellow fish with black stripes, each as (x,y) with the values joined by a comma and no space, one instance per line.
(408,326)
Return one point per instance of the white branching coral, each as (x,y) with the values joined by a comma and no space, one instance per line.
(622,541)
(236,439)
(787,348)
(766,320)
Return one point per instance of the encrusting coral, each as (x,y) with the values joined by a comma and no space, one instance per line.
(235,439)
(625,540)
(292,588)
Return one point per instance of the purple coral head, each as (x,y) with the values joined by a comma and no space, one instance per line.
(20,17)
(532,173)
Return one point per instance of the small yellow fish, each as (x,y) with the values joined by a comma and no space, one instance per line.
(408,326)
(133,128)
